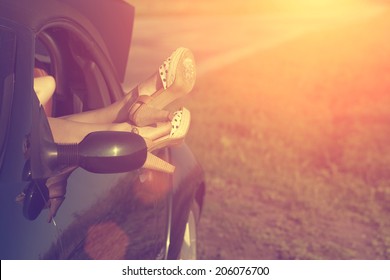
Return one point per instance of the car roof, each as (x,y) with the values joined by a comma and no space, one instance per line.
(109,22)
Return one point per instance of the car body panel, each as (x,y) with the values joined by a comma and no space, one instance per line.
(188,188)
(111,216)
(16,231)
(17,103)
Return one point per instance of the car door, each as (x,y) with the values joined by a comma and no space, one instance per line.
(103,216)
(19,237)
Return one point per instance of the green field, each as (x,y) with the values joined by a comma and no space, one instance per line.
(295,143)
(221,7)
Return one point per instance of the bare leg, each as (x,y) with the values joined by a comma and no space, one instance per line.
(174,78)
(119,111)
(44,88)
(67,131)
(177,71)
(113,113)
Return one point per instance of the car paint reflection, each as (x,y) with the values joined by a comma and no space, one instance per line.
(115,216)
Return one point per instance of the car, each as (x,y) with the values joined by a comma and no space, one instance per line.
(113,209)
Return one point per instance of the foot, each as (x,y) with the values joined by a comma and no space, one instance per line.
(160,136)
(174,79)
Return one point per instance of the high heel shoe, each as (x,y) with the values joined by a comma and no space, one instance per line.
(177,75)
(180,125)
(153,162)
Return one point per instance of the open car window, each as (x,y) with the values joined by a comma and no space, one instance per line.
(80,84)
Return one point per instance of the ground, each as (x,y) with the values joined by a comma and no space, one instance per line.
(294,141)
(295,144)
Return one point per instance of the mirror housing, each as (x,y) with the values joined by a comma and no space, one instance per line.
(100,152)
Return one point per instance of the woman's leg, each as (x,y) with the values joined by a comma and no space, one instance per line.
(145,104)
(67,131)
(44,87)
(119,111)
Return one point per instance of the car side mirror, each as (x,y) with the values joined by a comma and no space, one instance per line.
(101,152)
(98,152)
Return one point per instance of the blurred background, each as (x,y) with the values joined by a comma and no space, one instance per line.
(216,7)
(291,121)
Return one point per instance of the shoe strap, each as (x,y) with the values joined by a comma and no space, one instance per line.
(141,99)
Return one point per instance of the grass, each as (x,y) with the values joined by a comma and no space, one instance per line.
(295,144)
(219,7)
(177,8)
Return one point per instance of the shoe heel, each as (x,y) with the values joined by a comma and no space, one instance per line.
(155,163)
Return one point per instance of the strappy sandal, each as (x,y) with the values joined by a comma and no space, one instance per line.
(180,125)
(177,75)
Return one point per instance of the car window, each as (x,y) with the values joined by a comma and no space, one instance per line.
(7,58)
(80,84)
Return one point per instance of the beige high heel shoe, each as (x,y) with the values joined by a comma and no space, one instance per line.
(177,75)
(180,126)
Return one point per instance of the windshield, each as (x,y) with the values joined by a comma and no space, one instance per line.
(7,67)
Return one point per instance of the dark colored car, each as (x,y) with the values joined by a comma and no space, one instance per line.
(115,210)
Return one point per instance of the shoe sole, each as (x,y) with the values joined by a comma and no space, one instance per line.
(180,82)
